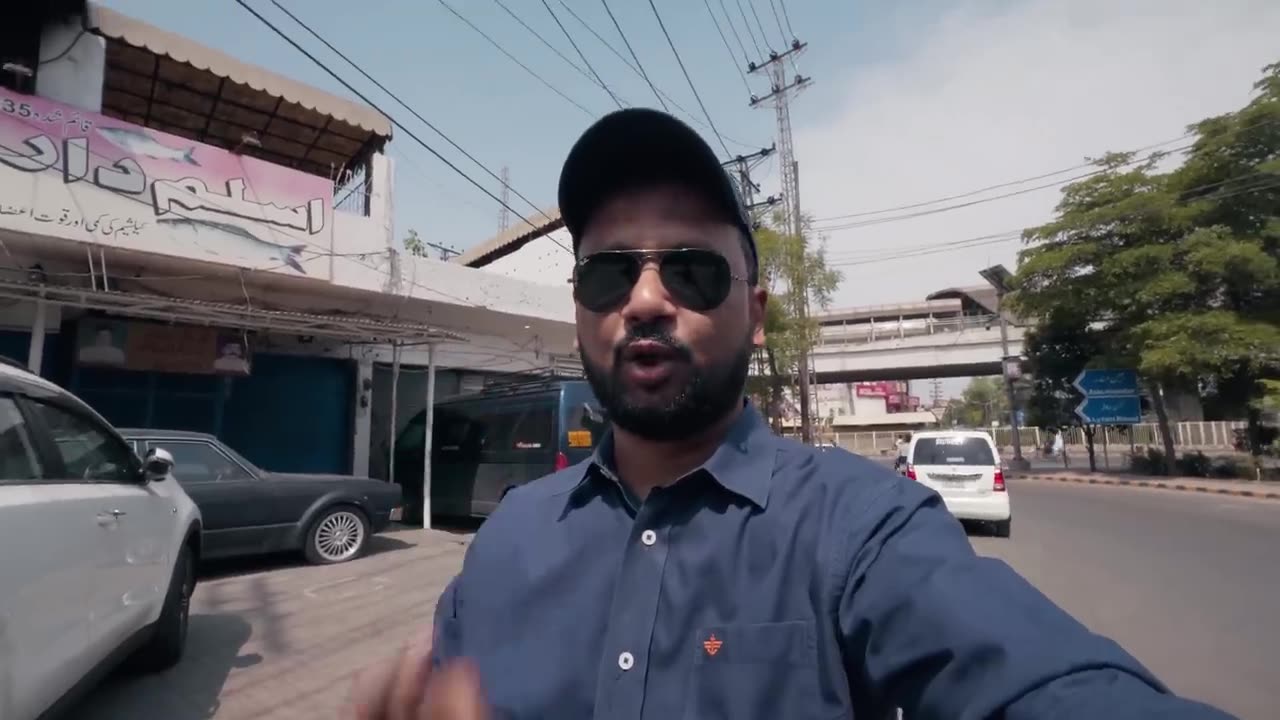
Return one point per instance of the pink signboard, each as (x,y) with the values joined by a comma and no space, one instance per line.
(83,176)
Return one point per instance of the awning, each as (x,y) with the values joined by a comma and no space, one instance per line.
(511,239)
(161,80)
(352,328)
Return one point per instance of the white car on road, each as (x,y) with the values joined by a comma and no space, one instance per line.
(97,550)
(964,467)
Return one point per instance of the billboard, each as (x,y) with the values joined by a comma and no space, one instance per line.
(82,176)
(146,346)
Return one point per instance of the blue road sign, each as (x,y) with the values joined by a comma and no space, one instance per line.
(1107,383)
(1121,410)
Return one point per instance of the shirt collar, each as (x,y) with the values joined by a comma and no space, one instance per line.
(743,464)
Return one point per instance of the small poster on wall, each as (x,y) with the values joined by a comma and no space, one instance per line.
(156,347)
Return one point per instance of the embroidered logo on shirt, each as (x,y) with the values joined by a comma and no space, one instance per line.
(712,645)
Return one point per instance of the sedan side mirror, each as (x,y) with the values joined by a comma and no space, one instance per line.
(157,465)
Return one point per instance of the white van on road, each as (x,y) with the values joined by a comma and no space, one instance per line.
(963,466)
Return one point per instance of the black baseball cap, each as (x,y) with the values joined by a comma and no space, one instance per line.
(637,147)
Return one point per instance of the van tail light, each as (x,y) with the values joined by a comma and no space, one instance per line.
(999,484)
(911,472)
(562,461)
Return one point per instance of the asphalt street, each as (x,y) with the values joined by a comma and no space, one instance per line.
(1184,581)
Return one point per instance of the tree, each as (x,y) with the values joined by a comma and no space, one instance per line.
(1057,350)
(414,244)
(795,274)
(1179,271)
(984,400)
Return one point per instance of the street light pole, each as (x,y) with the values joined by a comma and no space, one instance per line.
(1018,462)
(999,277)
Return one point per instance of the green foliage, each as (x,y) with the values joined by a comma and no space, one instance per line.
(414,245)
(982,401)
(793,269)
(1057,350)
(1179,271)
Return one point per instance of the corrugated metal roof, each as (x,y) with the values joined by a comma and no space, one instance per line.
(111,24)
(511,239)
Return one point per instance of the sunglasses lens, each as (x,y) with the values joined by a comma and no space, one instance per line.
(604,280)
(697,279)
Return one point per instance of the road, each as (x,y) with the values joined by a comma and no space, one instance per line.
(1185,582)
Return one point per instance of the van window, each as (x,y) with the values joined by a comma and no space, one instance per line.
(952,450)
(529,428)
(585,421)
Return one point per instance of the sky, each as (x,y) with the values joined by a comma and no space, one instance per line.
(912,100)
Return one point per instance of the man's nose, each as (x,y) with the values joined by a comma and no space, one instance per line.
(649,300)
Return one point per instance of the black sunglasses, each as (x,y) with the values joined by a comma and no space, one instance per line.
(697,279)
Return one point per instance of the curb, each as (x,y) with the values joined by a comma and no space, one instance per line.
(1157,485)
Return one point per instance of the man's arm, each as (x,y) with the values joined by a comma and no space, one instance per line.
(445,635)
(931,627)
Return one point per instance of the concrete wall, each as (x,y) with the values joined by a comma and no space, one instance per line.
(541,261)
(75,78)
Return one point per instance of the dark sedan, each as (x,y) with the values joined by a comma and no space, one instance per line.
(250,511)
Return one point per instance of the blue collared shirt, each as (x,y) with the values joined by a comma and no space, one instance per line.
(774,582)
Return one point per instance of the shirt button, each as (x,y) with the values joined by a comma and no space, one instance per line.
(648,537)
(626,661)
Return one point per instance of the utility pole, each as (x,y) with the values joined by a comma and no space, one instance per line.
(445,251)
(781,90)
(742,166)
(504,212)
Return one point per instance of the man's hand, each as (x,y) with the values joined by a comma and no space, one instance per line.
(403,687)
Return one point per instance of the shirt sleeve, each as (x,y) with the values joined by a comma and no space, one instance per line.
(445,636)
(929,626)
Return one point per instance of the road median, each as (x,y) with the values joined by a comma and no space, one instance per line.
(1258,490)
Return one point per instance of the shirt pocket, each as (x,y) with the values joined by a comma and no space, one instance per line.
(749,671)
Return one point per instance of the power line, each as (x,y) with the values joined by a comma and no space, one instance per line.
(786,16)
(1011,235)
(635,57)
(370,103)
(406,106)
(746,58)
(1034,178)
(981,201)
(763,35)
(725,40)
(617,53)
(577,49)
(747,22)
(989,188)
(783,33)
(513,58)
(688,79)
(593,78)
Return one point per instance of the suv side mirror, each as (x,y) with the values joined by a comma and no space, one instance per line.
(157,465)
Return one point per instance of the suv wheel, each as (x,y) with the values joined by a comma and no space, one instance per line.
(338,535)
(1004,528)
(165,647)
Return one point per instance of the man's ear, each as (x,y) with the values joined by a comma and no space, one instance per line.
(759,301)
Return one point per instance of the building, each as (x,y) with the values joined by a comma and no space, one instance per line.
(191,242)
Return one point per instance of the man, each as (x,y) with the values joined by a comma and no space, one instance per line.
(698,566)
(900,447)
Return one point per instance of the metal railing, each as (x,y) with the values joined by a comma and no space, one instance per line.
(1217,435)
(351,191)
(870,331)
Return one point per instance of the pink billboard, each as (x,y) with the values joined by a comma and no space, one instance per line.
(83,176)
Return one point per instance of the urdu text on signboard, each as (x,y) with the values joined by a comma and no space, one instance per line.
(82,176)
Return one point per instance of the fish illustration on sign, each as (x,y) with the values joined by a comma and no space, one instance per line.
(227,239)
(136,142)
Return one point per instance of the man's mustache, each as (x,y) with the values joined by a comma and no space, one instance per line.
(654,334)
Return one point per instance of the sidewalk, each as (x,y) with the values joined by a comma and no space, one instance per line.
(1239,488)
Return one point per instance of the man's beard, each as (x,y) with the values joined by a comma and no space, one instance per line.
(708,395)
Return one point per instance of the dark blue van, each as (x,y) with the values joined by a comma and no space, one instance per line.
(486,443)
